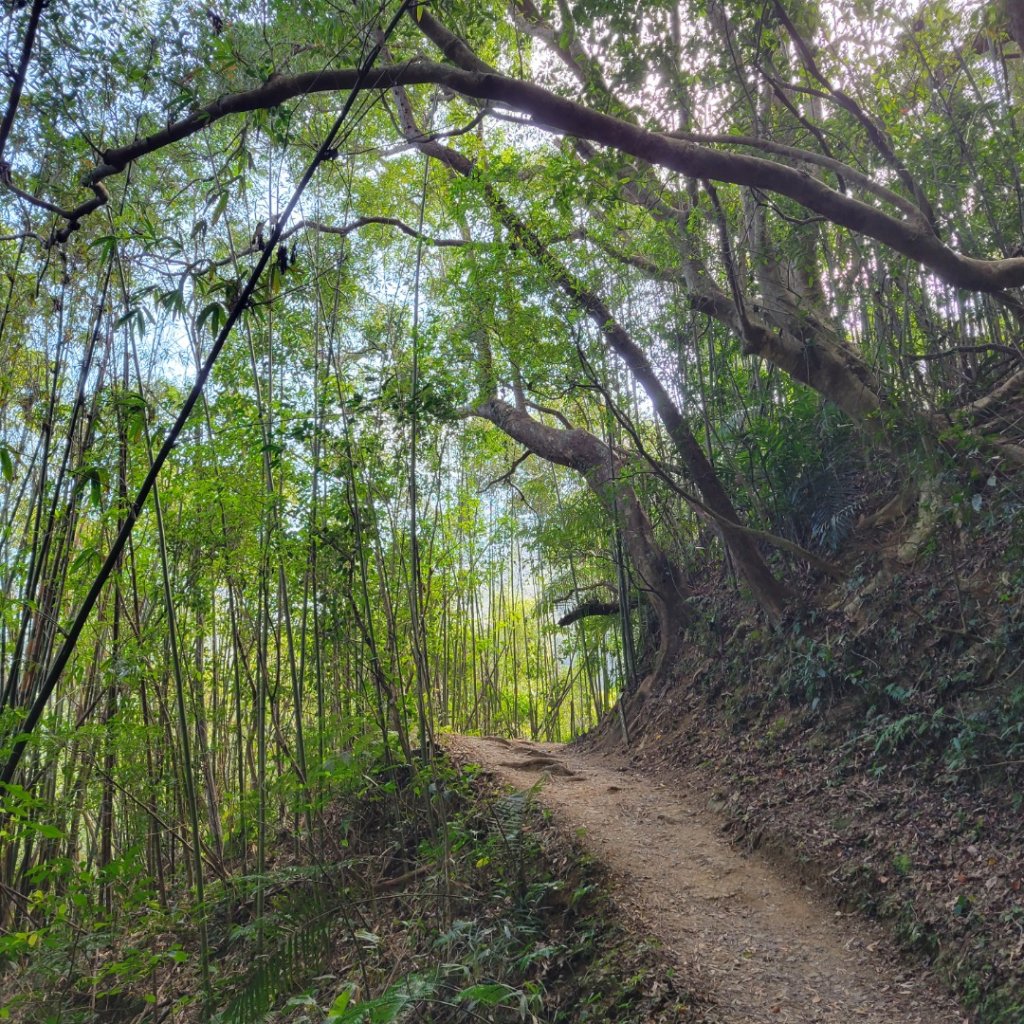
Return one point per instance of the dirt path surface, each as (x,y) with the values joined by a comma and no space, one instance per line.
(762,947)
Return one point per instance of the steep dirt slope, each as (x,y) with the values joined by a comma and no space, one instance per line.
(765,948)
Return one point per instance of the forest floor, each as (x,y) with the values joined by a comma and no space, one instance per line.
(764,947)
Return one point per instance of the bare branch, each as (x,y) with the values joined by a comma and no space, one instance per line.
(506,477)
(547,410)
(340,230)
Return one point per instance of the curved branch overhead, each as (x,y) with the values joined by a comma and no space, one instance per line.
(548,111)
(586,609)
(661,580)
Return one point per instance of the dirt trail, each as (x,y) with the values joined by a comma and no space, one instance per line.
(763,947)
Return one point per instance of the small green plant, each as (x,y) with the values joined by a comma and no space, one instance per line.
(776,729)
(902,863)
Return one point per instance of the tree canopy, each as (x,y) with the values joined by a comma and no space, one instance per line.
(374,368)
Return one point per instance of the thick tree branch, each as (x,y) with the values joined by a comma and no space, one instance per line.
(828,163)
(588,608)
(665,472)
(553,112)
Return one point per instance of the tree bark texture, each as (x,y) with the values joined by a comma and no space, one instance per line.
(660,579)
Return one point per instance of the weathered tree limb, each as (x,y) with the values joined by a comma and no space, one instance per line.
(589,608)
(601,467)
(550,111)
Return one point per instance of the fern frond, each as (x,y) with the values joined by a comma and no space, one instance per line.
(297,940)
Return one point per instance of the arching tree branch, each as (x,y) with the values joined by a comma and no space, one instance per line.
(550,111)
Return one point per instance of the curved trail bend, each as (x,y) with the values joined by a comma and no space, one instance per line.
(762,947)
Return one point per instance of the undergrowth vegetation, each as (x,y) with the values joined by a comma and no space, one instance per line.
(416,892)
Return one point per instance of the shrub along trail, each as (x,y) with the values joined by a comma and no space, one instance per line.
(764,948)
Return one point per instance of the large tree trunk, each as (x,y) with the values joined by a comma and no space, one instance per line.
(660,578)
(769,593)
(803,346)
(796,334)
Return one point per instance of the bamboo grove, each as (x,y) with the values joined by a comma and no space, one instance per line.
(579,311)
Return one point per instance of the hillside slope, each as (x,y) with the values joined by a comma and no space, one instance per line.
(873,744)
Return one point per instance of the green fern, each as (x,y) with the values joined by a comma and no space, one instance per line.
(825,503)
(391,1006)
(508,815)
(297,939)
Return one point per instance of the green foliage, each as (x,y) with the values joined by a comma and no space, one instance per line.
(349,554)
(294,942)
